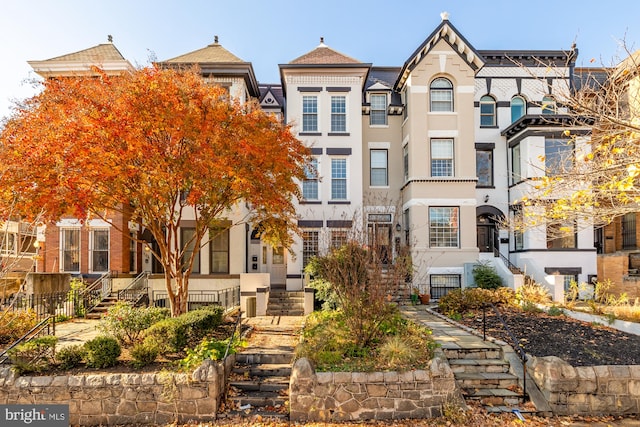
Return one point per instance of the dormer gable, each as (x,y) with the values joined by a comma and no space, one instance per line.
(448,33)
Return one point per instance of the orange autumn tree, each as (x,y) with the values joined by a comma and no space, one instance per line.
(159,144)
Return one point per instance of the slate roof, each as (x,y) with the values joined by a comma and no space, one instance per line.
(593,78)
(384,76)
(276,91)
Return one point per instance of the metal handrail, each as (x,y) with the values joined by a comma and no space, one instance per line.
(33,332)
(98,291)
(516,344)
(136,288)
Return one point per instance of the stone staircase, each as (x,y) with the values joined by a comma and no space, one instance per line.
(482,374)
(285,303)
(103,306)
(260,383)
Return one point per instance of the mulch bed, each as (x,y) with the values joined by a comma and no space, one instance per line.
(578,343)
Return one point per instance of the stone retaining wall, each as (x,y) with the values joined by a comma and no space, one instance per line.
(587,390)
(110,399)
(342,396)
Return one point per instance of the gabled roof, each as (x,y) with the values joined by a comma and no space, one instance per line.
(447,32)
(215,59)
(324,55)
(105,56)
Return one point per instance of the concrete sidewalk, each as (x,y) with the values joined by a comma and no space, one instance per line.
(76,331)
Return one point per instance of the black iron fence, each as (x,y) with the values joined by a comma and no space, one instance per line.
(227,298)
(72,303)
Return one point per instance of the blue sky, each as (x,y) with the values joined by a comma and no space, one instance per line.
(268,33)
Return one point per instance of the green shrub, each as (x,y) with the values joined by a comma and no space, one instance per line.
(207,349)
(35,355)
(102,352)
(126,323)
(71,356)
(14,324)
(486,276)
(144,354)
(176,333)
(554,310)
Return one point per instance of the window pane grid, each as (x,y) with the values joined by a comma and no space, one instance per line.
(339,179)
(487,111)
(378,111)
(309,246)
(100,250)
(219,250)
(441,157)
(309,114)
(338,114)
(379,167)
(443,227)
(441,95)
(310,184)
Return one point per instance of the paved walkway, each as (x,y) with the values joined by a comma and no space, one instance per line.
(449,336)
(76,331)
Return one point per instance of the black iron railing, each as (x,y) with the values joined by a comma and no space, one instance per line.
(227,298)
(514,341)
(137,289)
(233,334)
(46,327)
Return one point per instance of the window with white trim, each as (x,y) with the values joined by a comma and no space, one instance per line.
(309,113)
(338,179)
(444,227)
(405,161)
(310,246)
(379,162)
(549,105)
(70,247)
(442,157)
(338,113)
(378,109)
(516,166)
(100,250)
(441,95)
(310,183)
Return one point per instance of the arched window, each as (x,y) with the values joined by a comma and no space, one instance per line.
(548,105)
(518,108)
(487,111)
(441,91)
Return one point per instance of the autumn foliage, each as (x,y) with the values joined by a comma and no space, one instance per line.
(159,143)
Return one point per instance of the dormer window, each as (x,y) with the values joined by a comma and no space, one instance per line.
(378,111)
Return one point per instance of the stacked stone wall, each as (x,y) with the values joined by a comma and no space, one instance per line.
(122,399)
(587,390)
(357,396)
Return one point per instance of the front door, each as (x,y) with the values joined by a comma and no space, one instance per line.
(485,238)
(276,264)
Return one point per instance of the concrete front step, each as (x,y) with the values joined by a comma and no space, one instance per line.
(478,365)
(494,396)
(284,313)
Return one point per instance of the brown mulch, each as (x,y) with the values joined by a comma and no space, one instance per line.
(578,343)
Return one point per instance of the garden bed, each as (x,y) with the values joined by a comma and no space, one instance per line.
(576,342)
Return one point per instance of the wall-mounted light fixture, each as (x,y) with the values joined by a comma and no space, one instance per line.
(486,198)
(398,227)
